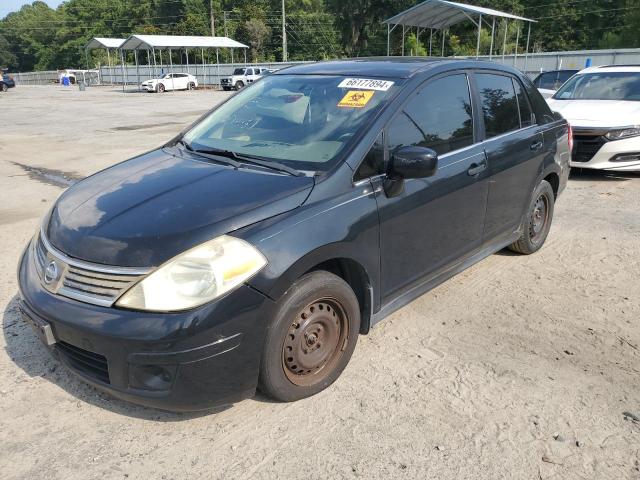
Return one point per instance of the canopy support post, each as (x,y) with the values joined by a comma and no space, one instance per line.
(186,54)
(430,41)
(526,53)
(479,32)
(245,57)
(161,64)
(204,72)
(443,35)
(388,35)
(110,68)
(493,29)
(173,82)
(124,75)
(155,64)
(217,68)
(135,56)
(515,56)
(504,42)
(403,40)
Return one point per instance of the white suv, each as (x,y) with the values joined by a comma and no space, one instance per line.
(171,81)
(242,77)
(602,105)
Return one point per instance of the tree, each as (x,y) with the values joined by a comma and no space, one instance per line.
(257,33)
(7,58)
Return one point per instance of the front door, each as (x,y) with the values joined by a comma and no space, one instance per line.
(434,221)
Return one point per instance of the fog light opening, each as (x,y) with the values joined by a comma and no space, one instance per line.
(152,377)
(626,157)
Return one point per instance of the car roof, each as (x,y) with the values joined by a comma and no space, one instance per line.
(394,67)
(612,68)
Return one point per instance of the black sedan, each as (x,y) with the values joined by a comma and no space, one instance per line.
(6,82)
(252,250)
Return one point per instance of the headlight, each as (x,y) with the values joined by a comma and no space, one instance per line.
(196,276)
(623,133)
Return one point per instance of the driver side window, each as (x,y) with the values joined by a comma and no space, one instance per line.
(439,117)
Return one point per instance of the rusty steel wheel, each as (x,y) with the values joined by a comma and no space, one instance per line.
(314,342)
(536,221)
(310,338)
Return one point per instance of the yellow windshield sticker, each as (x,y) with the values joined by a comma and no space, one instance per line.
(356,98)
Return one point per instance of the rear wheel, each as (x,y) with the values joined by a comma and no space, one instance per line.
(239,85)
(311,338)
(537,220)
(4,87)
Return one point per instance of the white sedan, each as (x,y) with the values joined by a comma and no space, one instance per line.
(602,105)
(171,81)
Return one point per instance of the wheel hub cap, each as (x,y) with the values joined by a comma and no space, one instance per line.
(314,341)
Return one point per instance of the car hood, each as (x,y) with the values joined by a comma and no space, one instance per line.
(598,113)
(146,210)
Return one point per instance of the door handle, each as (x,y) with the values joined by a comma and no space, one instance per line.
(475,168)
(536,145)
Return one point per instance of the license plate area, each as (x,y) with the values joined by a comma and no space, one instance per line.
(43,329)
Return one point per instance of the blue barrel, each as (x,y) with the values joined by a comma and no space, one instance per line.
(65,81)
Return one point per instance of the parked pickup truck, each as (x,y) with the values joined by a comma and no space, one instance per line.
(242,77)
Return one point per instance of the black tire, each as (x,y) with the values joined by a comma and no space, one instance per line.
(191,86)
(160,88)
(310,341)
(4,87)
(239,85)
(537,220)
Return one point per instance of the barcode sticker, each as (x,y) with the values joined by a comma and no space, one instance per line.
(366,84)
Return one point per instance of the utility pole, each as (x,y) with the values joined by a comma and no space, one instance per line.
(284,35)
(213,20)
(224,16)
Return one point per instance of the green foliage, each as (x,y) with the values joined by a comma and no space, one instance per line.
(38,37)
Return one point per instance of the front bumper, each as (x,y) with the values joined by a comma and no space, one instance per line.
(595,152)
(183,361)
(148,88)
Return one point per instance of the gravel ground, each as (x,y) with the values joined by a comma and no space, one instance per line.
(518,368)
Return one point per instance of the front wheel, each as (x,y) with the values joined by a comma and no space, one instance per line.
(191,86)
(160,88)
(239,85)
(4,87)
(537,220)
(311,339)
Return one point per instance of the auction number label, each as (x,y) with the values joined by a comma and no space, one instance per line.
(366,84)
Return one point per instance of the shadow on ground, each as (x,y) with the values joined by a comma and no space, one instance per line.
(25,349)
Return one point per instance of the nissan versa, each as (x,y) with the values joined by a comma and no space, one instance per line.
(254,248)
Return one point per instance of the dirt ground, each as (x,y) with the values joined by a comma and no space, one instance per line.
(518,368)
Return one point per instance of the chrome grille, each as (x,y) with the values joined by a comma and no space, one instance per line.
(87,282)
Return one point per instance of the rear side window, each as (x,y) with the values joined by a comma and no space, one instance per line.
(438,117)
(526,114)
(499,104)
(540,107)
(546,80)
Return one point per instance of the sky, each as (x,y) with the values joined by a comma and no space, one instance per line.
(8,6)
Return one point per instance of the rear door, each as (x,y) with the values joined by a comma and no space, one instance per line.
(514,147)
(434,221)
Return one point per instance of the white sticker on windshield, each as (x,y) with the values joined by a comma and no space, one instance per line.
(366,84)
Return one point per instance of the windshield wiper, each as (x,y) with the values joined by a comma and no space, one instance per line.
(268,164)
(213,154)
(236,159)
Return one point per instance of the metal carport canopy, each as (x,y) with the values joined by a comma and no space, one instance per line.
(146,42)
(441,14)
(101,42)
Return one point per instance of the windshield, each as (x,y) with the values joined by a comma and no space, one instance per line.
(238,71)
(601,86)
(303,121)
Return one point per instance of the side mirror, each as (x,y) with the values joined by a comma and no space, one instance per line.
(413,162)
(409,162)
